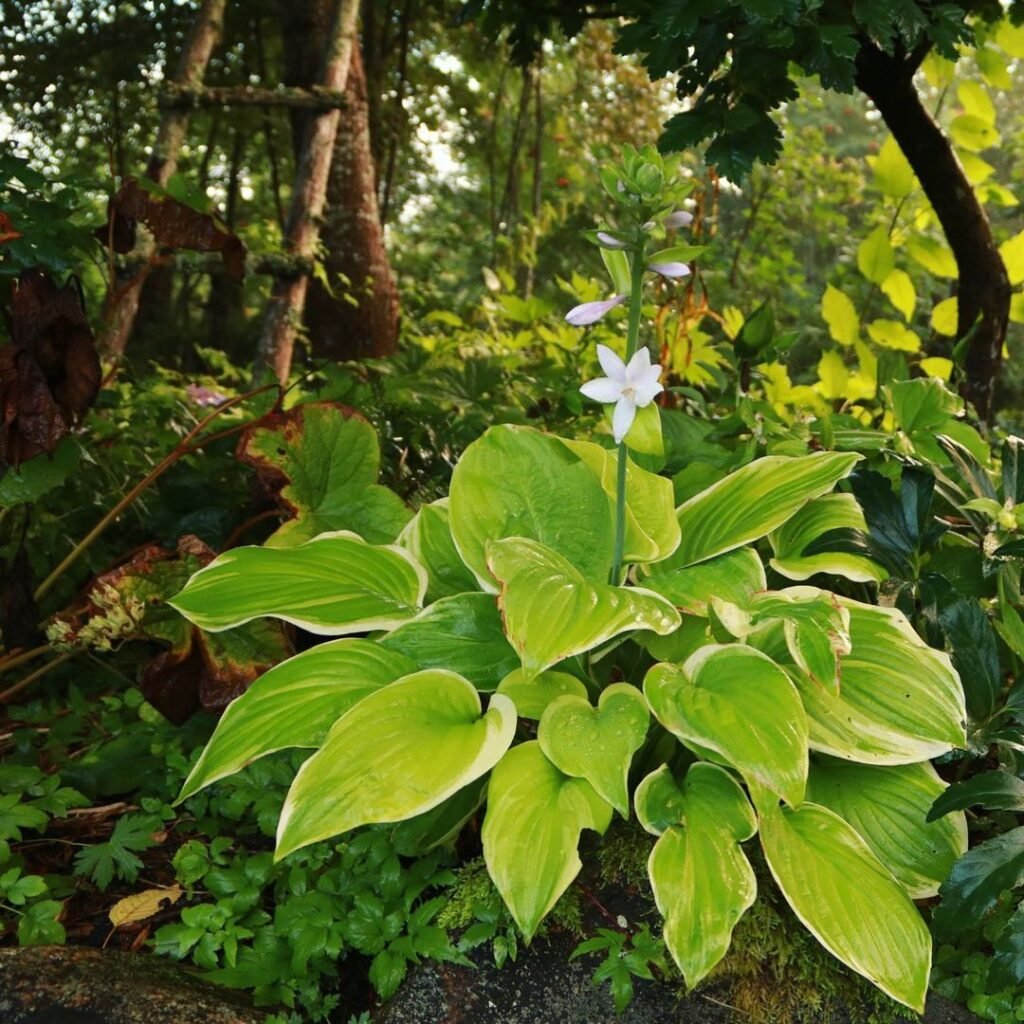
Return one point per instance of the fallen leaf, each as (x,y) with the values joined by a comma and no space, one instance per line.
(7,231)
(142,905)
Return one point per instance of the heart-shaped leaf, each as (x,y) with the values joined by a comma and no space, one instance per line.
(397,753)
(552,612)
(597,744)
(428,538)
(535,815)
(294,705)
(736,702)
(334,584)
(532,694)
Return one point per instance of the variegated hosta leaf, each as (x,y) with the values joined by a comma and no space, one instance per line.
(597,744)
(652,531)
(532,694)
(518,482)
(735,701)
(733,577)
(816,518)
(816,627)
(703,883)
(531,832)
(428,538)
(888,806)
(333,585)
(462,633)
(294,704)
(753,501)
(397,753)
(900,700)
(847,899)
(552,612)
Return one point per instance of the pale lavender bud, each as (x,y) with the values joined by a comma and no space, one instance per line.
(610,241)
(590,312)
(679,219)
(669,269)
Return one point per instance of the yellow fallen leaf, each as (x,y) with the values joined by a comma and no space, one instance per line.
(142,905)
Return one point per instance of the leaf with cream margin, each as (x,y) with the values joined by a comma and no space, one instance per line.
(597,744)
(518,482)
(816,518)
(531,831)
(900,700)
(462,633)
(888,806)
(428,538)
(752,502)
(295,704)
(552,612)
(702,881)
(332,585)
(846,897)
(532,694)
(398,753)
(734,577)
(736,702)
(652,531)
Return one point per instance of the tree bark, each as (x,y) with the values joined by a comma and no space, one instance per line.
(364,322)
(288,298)
(163,159)
(983,294)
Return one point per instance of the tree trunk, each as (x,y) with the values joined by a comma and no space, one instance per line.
(288,297)
(163,159)
(983,292)
(361,319)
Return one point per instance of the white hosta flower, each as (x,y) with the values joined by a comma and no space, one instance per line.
(630,387)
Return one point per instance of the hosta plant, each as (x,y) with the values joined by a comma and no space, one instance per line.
(556,643)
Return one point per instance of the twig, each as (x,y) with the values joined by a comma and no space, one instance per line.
(11,691)
(13,660)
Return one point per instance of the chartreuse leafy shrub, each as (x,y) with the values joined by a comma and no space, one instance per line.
(555,642)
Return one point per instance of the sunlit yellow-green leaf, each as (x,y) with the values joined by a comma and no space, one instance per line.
(535,815)
(551,612)
(993,68)
(976,169)
(976,101)
(428,538)
(399,752)
(532,694)
(1017,308)
(838,312)
(847,899)
(944,317)
(1012,251)
(734,576)
(935,257)
(973,133)
(899,289)
(894,176)
(938,70)
(1010,38)
(938,366)
(893,334)
(875,256)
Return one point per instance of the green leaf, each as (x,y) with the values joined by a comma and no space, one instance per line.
(973,133)
(295,704)
(399,752)
(737,702)
(428,538)
(978,879)
(652,532)
(837,310)
(847,899)
(1012,252)
(935,257)
(875,256)
(39,925)
(676,254)
(893,334)
(552,612)
(995,791)
(323,459)
(752,502)
(734,577)
(816,518)
(616,262)
(518,482)
(461,633)
(944,317)
(894,177)
(34,478)
(976,101)
(899,700)
(441,825)
(535,814)
(703,883)
(899,289)
(532,694)
(597,744)
(333,584)
(888,806)
(924,404)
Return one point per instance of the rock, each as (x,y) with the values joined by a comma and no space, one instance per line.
(74,985)
(543,987)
